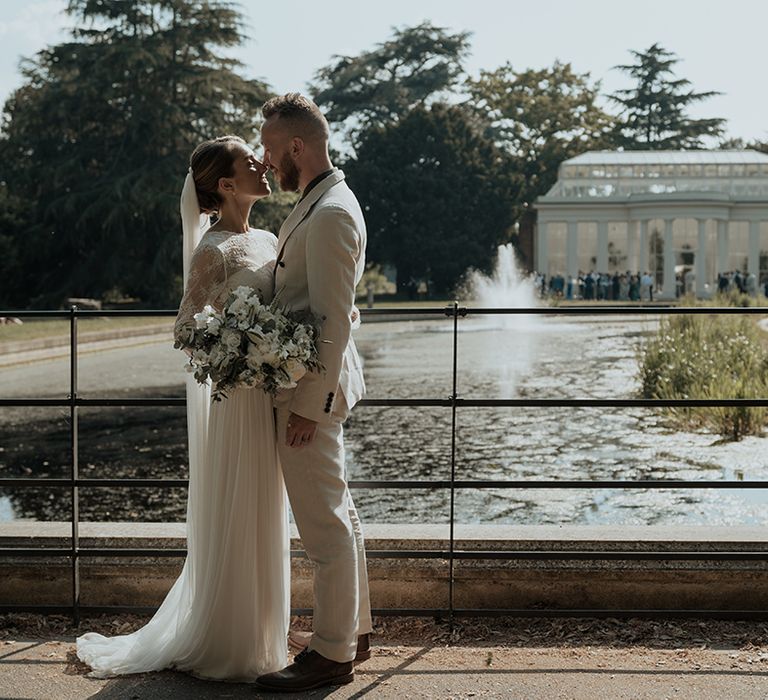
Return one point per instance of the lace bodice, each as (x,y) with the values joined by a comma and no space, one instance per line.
(222,262)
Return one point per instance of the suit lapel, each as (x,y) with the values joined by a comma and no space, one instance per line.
(302,209)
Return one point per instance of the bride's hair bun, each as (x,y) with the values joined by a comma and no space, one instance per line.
(210,161)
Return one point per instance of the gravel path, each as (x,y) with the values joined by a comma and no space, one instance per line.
(505,658)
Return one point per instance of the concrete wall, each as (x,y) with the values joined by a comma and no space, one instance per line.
(423,583)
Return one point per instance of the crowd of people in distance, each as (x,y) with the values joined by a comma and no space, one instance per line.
(743,282)
(597,286)
(637,286)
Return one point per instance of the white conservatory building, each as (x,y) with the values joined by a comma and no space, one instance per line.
(676,214)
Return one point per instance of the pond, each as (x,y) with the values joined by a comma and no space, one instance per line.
(498,357)
(544,357)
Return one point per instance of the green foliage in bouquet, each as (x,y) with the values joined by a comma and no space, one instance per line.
(251,344)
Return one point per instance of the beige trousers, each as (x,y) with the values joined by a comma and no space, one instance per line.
(330,531)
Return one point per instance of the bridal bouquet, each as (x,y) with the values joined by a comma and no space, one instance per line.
(251,344)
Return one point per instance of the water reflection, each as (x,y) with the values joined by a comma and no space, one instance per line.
(588,357)
(550,357)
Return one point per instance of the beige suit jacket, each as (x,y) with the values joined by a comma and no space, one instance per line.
(321,258)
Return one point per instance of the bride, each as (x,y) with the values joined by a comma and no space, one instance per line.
(226,616)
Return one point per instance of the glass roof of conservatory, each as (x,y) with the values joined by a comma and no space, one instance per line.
(601,174)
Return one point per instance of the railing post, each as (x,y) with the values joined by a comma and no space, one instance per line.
(74,472)
(454,396)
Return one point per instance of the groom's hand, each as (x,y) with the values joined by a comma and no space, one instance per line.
(300,432)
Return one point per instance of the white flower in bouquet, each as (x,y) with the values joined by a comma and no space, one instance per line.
(302,339)
(290,349)
(247,376)
(202,318)
(231,339)
(239,308)
(208,320)
(254,357)
(200,357)
(273,348)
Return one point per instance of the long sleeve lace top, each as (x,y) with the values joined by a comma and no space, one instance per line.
(223,261)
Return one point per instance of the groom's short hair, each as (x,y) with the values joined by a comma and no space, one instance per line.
(299,113)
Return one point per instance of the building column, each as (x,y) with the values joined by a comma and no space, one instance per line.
(669,286)
(602,247)
(643,225)
(572,249)
(753,256)
(722,246)
(700,259)
(632,228)
(541,257)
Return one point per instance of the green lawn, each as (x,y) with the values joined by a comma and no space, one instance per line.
(388,304)
(33,329)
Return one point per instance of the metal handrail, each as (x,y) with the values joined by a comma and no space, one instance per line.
(75,552)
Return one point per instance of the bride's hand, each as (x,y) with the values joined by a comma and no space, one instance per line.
(355,318)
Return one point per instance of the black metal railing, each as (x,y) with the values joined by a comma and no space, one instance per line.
(75,552)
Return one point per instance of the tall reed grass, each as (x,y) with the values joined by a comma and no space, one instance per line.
(709,357)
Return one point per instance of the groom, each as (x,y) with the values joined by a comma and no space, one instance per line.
(321,257)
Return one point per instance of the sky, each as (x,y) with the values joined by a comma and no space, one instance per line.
(722,44)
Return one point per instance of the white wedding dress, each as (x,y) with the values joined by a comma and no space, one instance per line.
(226,616)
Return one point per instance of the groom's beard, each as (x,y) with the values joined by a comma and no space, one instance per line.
(289,175)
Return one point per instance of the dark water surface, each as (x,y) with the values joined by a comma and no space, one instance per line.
(542,358)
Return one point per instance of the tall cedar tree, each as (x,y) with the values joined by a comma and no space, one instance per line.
(435,191)
(654,112)
(96,143)
(380,86)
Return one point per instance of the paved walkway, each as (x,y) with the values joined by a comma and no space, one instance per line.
(526,659)
(44,670)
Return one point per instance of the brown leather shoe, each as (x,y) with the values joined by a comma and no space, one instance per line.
(363,648)
(309,670)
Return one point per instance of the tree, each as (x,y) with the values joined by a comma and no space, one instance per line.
(383,85)
(733,144)
(435,190)
(11,250)
(541,118)
(270,213)
(97,140)
(654,112)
